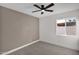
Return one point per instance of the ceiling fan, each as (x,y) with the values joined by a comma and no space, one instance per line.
(43,8)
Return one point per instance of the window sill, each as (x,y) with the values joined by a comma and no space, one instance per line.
(68,35)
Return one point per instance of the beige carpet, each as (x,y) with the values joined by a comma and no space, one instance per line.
(42,48)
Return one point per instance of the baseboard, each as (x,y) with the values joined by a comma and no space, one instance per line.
(13,50)
(60,45)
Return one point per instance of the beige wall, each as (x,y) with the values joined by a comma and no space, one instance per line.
(0,31)
(17,29)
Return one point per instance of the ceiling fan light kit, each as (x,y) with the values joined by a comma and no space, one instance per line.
(43,8)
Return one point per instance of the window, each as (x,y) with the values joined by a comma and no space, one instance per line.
(66,26)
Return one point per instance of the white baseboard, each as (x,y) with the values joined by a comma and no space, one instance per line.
(60,45)
(13,50)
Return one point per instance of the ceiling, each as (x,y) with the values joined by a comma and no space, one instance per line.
(27,8)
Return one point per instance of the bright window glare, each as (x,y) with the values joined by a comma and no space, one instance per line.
(60,21)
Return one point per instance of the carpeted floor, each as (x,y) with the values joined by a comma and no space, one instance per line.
(42,48)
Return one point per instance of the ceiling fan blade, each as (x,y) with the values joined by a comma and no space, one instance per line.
(52,4)
(42,12)
(36,11)
(37,6)
(49,10)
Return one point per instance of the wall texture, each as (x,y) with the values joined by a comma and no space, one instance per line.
(17,29)
(0,31)
(48,31)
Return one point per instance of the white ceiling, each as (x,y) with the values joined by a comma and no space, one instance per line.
(28,8)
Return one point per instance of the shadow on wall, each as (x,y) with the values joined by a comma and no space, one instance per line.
(78,44)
